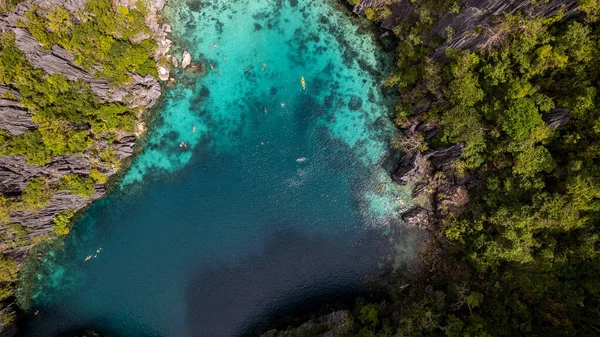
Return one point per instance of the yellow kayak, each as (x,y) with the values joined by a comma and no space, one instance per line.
(303,83)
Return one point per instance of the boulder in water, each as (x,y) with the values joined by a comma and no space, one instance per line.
(163,73)
(186,59)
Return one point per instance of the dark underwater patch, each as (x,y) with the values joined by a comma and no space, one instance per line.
(355,103)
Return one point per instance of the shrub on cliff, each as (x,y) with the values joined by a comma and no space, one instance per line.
(69,115)
(78,185)
(62,222)
(37,194)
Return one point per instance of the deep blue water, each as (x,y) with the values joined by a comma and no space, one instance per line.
(218,237)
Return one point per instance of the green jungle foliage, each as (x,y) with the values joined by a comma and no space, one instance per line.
(7,5)
(69,115)
(62,221)
(107,42)
(523,259)
(101,38)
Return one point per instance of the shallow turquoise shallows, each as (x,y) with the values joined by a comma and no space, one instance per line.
(253,197)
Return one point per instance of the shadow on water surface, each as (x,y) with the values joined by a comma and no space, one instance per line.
(240,299)
(285,279)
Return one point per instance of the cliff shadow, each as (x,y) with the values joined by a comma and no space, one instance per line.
(293,274)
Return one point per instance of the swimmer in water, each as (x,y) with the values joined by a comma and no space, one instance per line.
(282,105)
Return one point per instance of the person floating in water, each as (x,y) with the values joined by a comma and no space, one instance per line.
(303,83)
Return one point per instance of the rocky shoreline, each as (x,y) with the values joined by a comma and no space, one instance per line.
(15,173)
(439,189)
(141,94)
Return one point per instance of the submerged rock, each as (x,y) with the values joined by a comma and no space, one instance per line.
(418,217)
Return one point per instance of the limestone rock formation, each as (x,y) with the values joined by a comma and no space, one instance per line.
(472,26)
(557,117)
(14,118)
(414,166)
(15,172)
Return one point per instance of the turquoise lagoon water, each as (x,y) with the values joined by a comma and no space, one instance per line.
(217,236)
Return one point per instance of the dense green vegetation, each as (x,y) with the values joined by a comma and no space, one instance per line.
(69,115)
(523,258)
(107,41)
(101,38)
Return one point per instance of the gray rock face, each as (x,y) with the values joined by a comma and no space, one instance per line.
(418,217)
(15,173)
(14,176)
(412,167)
(473,14)
(14,118)
(144,90)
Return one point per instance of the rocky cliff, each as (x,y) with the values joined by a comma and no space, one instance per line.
(473,22)
(15,172)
